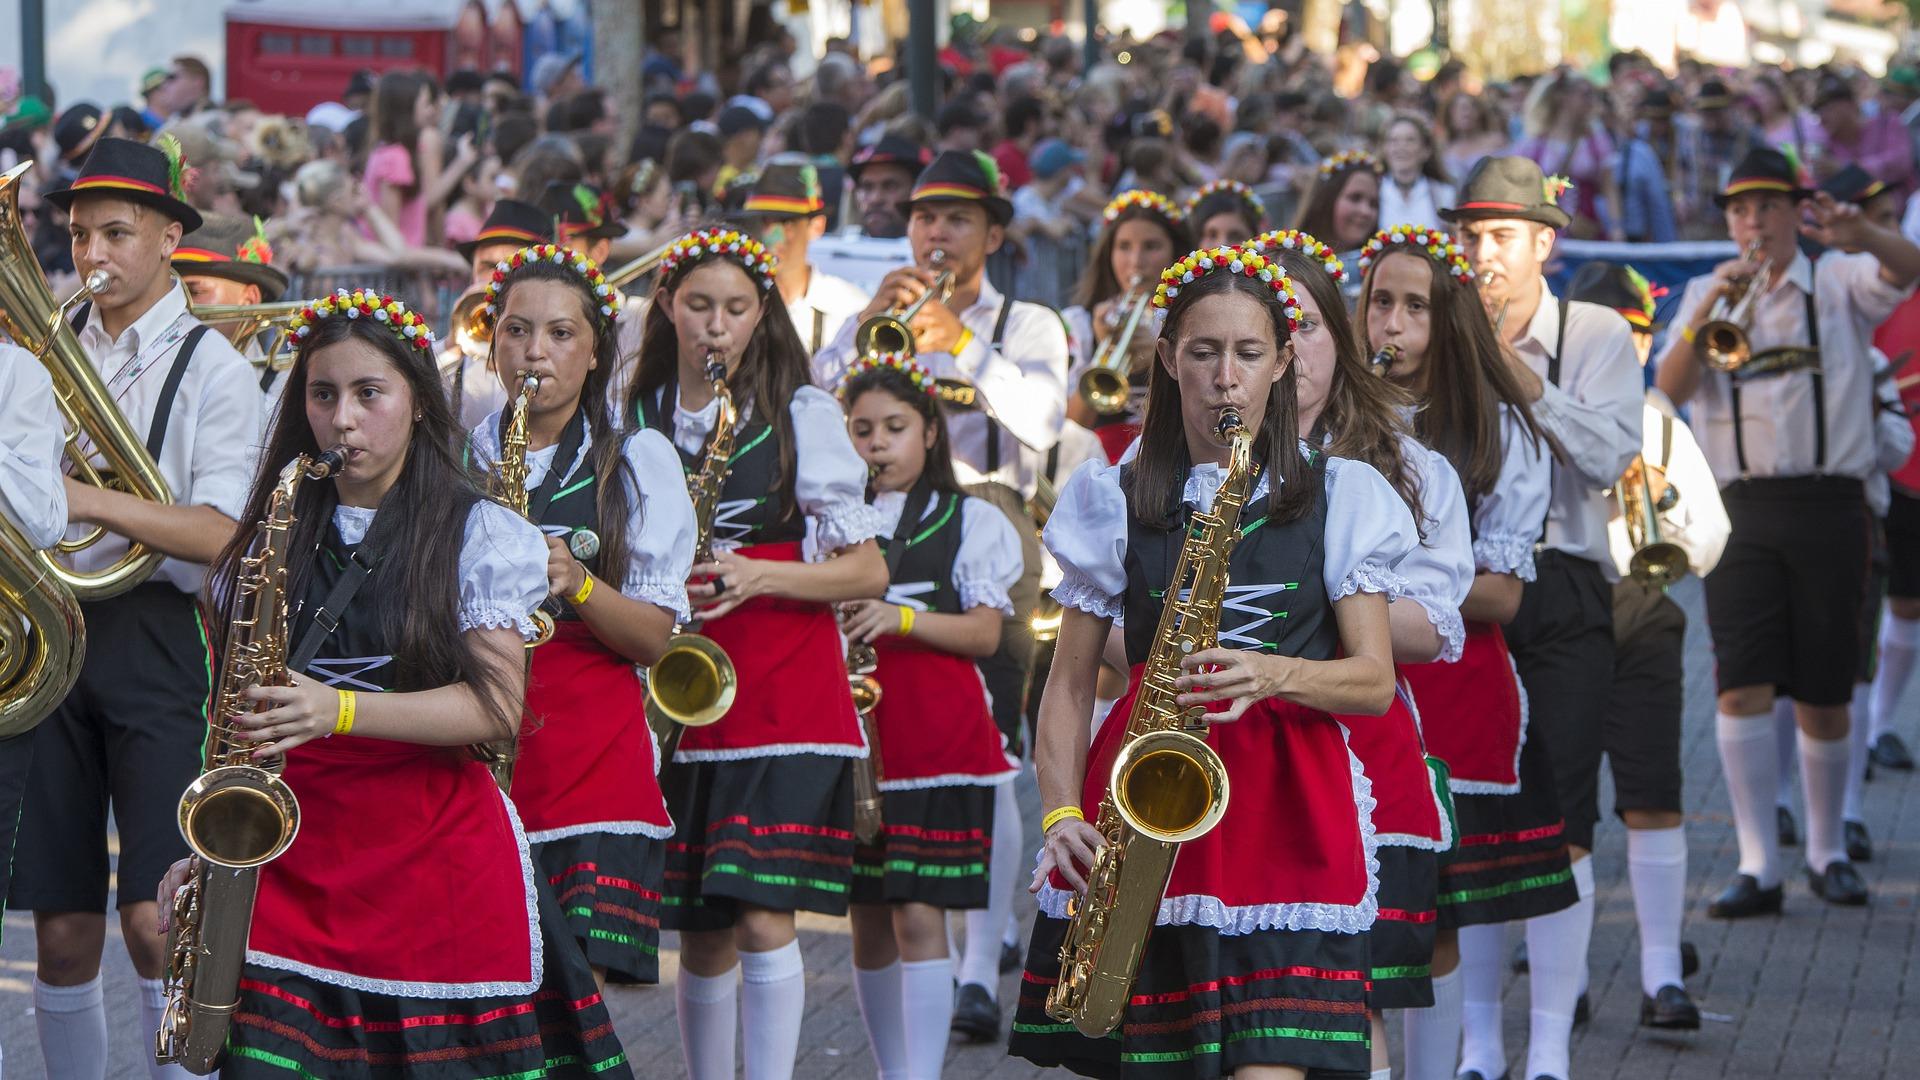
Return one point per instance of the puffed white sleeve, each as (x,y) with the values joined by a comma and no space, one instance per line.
(1087,535)
(503,570)
(1439,571)
(32,441)
(988,563)
(1369,532)
(1507,523)
(660,526)
(831,478)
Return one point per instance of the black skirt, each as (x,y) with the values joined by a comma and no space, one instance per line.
(1400,945)
(1511,861)
(608,889)
(933,849)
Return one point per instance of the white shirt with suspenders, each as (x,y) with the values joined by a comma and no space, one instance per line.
(825,307)
(32,496)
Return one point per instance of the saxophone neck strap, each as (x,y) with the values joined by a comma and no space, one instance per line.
(326,618)
(541,500)
(910,516)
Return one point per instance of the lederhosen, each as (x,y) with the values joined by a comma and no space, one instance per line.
(586,780)
(1259,953)
(1642,735)
(404,930)
(1783,603)
(128,734)
(762,800)
(940,754)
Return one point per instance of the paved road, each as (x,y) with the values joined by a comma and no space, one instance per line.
(1819,992)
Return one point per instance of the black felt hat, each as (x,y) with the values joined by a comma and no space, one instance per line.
(231,247)
(1854,184)
(963,176)
(78,129)
(124,169)
(1507,187)
(580,210)
(1620,287)
(1762,170)
(784,191)
(511,222)
(891,150)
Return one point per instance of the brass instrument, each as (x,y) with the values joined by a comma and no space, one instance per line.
(1167,786)
(1105,384)
(891,331)
(239,814)
(29,315)
(254,319)
(43,637)
(627,273)
(1655,561)
(693,682)
(862,662)
(1381,362)
(510,478)
(1722,342)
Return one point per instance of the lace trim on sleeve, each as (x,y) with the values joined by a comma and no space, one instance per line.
(846,524)
(661,593)
(990,594)
(1505,553)
(491,616)
(1370,577)
(1081,593)
(1453,632)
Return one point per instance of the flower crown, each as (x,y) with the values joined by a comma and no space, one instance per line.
(904,363)
(752,256)
(1150,200)
(1233,260)
(1304,243)
(1433,243)
(1350,159)
(408,326)
(1215,187)
(608,296)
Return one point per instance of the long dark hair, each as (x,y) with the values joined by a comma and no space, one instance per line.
(772,369)
(1224,201)
(938,471)
(394,97)
(1464,380)
(609,465)
(1157,477)
(1361,420)
(1433,169)
(417,586)
(1316,210)
(1098,283)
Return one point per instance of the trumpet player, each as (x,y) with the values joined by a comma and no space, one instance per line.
(784,209)
(1676,519)
(128,736)
(1791,452)
(586,223)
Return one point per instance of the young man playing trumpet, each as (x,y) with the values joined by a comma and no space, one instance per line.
(1791,450)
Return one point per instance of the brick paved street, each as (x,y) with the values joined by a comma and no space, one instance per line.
(1774,1010)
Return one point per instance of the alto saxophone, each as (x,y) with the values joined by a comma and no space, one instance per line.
(510,479)
(868,803)
(1167,785)
(239,815)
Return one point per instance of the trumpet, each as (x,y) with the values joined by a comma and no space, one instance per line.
(253,319)
(1655,561)
(1381,362)
(1722,343)
(862,662)
(890,331)
(1105,385)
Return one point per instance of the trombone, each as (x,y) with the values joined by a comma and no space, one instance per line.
(254,319)
(1105,385)
(1656,561)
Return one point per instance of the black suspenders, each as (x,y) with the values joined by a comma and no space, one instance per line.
(163,408)
(1819,391)
(993,426)
(1553,376)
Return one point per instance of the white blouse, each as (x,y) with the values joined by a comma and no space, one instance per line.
(32,446)
(1439,571)
(988,563)
(1509,520)
(660,526)
(1368,532)
(830,484)
(503,565)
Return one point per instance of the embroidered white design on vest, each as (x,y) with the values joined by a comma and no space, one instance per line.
(908,593)
(724,525)
(1250,600)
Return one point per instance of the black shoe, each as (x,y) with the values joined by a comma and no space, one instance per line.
(1010,958)
(1840,883)
(1582,1010)
(1889,752)
(1689,960)
(976,1016)
(1671,1008)
(1520,958)
(1789,829)
(1743,898)
(1859,844)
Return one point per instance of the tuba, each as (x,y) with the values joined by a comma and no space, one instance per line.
(43,637)
(29,315)
(1105,385)
(1167,786)
(1655,561)
(239,815)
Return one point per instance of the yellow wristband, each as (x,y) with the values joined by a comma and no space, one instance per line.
(586,590)
(906,620)
(965,339)
(1057,816)
(1686,334)
(343,720)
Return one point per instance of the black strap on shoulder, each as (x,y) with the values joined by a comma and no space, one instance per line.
(163,409)
(993,426)
(1559,345)
(1666,440)
(570,439)
(327,616)
(819,328)
(1819,388)
(78,320)
(910,516)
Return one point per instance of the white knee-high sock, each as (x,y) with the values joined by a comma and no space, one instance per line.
(1657,871)
(1823,764)
(1381,1074)
(1482,1044)
(878,992)
(153,1006)
(1899,647)
(1557,961)
(1751,765)
(772,1002)
(1851,805)
(1784,725)
(926,992)
(1432,1036)
(709,1011)
(73,1029)
(980,962)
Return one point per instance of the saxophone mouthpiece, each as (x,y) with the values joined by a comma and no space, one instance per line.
(1229,421)
(329,462)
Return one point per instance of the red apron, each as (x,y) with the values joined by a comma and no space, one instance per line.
(1405,812)
(393,839)
(933,719)
(1115,438)
(1474,713)
(586,755)
(793,695)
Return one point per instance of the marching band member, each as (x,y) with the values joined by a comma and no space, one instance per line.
(1252,962)
(402,930)
(1791,452)
(619,533)
(1576,365)
(227,261)
(1142,232)
(951,558)
(1343,205)
(129,734)
(1642,735)
(1509,861)
(761,800)
(510,226)
(1223,213)
(1014,355)
(586,222)
(785,211)
(1359,415)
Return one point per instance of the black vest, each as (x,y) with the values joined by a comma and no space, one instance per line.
(924,573)
(1276,599)
(750,504)
(575,505)
(355,656)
